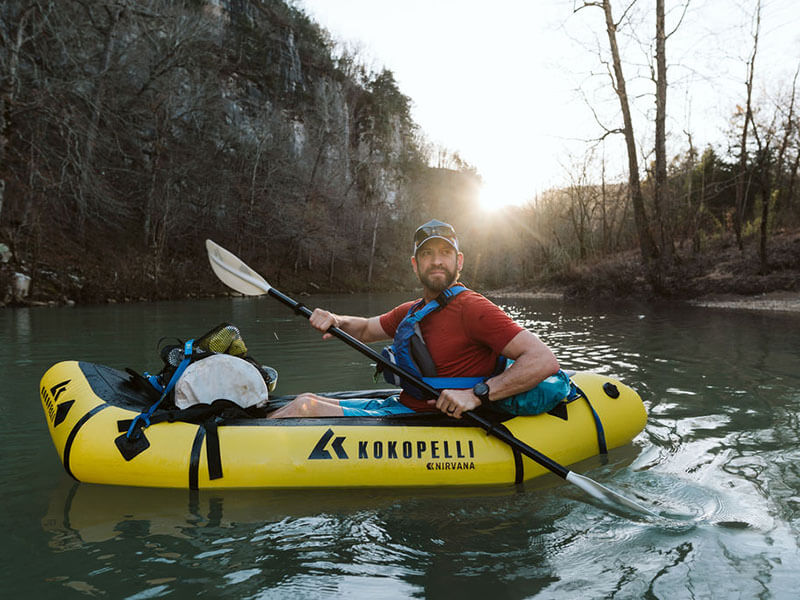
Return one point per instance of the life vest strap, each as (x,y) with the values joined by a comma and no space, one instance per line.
(410,352)
(452,383)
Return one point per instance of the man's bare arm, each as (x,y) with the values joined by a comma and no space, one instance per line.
(363,329)
(533,362)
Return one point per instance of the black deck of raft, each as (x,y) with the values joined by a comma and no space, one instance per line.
(117,388)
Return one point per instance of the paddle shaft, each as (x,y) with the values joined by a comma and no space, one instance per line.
(535,455)
(234,273)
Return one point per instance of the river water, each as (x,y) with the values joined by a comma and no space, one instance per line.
(720,454)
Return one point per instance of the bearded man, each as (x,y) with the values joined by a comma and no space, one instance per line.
(452,337)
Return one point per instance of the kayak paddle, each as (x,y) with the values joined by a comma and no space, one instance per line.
(238,276)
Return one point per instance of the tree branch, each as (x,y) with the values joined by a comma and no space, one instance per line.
(683,14)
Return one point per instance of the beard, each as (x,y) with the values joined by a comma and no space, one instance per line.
(441,283)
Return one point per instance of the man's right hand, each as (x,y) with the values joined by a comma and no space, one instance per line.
(364,330)
(323,320)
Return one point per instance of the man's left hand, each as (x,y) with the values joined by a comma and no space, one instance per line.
(455,402)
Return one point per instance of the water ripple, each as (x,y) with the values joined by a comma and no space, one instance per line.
(718,461)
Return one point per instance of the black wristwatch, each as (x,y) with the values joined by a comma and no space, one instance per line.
(481,390)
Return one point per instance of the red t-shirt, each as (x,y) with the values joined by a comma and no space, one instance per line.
(465,338)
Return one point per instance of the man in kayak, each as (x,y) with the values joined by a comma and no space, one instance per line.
(452,334)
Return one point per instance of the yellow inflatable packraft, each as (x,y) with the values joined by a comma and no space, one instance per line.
(89,406)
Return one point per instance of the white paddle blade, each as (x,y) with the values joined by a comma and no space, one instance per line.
(606,495)
(234,273)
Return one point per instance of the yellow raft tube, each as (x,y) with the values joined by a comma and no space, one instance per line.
(88,406)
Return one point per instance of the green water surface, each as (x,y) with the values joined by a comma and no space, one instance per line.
(721,449)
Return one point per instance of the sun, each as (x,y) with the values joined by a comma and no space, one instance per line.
(496,196)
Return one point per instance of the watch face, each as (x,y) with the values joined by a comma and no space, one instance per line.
(481,390)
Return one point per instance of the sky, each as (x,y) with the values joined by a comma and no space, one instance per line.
(508,84)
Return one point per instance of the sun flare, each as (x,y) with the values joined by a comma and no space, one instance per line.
(494,196)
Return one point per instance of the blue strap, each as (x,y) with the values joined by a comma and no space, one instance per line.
(453,290)
(145,416)
(574,391)
(153,379)
(401,349)
(449,293)
(452,383)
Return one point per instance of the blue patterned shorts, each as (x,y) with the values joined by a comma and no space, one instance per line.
(373,407)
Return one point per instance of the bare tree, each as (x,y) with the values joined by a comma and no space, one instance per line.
(581,203)
(661,198)
(659,190)
(13,41)
(794,169)
(741,176)
(647,246)
(771,183)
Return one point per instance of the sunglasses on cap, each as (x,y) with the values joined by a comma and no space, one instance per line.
(435,229)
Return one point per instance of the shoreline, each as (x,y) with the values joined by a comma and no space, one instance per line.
(778,301)
(770,301)
(524,294)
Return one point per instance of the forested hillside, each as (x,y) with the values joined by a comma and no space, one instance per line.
(134,130)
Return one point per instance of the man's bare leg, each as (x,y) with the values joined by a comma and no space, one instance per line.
(309,405)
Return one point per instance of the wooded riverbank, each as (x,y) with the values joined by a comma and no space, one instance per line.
(721,276)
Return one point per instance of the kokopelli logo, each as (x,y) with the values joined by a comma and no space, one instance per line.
(319,451)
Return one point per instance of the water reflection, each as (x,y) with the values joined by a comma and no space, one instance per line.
(420,542)
(95,513)
(393,542)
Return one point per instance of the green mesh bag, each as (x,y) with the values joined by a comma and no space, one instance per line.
(223,339)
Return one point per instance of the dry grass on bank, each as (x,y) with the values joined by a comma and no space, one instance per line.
(720,275)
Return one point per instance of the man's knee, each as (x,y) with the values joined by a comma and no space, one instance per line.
(301,398)
(305,403)
(311,405)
